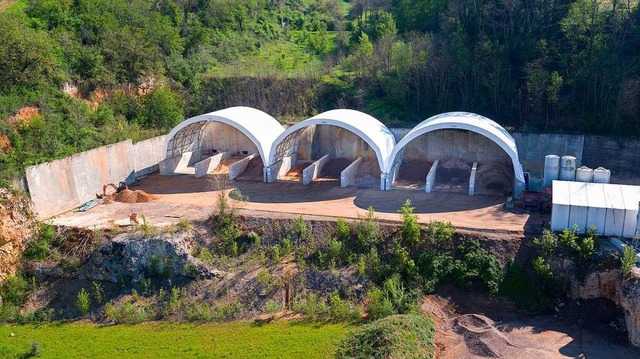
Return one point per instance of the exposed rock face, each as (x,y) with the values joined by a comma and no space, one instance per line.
(17,227)
(630,301)
(623,292)
(130,260)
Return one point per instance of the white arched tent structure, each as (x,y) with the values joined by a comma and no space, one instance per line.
(259,127)
(366,127)
(461,121)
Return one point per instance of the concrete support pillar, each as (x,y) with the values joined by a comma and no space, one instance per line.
(169,166)
(313,170)
(472,179)
(431,177)
(348,175)
(210,164)
(280,168)
(387,179)
(237,168)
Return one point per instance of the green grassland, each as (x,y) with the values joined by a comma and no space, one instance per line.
(170,340)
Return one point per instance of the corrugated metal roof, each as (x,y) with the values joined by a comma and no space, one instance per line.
(596,195)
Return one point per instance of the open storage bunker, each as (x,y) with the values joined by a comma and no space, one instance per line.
(611,208)
(345,145)
(456,151)
(234,141)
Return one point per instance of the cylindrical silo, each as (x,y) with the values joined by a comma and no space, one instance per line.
(601,175)
(584,174)
(551,169)
(567,168)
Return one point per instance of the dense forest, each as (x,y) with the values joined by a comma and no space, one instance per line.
(76,74)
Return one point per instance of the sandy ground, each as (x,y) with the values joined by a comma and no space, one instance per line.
(476,326)
(188,197)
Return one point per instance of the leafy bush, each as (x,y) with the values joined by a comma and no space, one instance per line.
(39,248)
(14,290)
(393,298)
(272,307)
(628,260)
(410,226)
(343,230)
(83,302)
(517,285)
(547,243)
(397,336)
(367,231)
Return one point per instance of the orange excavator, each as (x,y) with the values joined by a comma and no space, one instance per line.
(119,188)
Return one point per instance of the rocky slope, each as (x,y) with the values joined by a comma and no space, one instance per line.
(17,226)
(624,292)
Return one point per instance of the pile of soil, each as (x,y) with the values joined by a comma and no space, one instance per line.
(334,167)
(414,170)
(369,168)
(254,169)
(494,177)
(296,171)
(137,196)
(453,171)
(482,338)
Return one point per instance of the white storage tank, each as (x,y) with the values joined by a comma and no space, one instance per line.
(584,174)
(601,175)
(568,168)
(551,169)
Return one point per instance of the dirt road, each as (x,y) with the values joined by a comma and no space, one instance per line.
(185,196)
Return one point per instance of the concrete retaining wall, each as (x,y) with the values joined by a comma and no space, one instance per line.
(237,168)
(313,170)
(64,184)
(348,175)
(147,155)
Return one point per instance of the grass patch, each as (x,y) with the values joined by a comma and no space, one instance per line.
(397,336)
(166,340)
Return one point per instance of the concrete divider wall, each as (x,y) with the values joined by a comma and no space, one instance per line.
(431,177)
(313,170)
(348,175)
(472,179)
(64,184)
(237,168)
(209,164)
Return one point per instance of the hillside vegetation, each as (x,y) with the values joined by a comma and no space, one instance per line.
(77,74)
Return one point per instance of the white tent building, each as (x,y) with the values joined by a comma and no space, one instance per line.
(611,208)
(460,121)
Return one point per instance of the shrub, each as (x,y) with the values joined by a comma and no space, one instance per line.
(547,243)
(272,307)
(367,231)
(83,302)
(39,248)
(410,226)
(184,224)
(397,336)
(14,290)
(98,292)
(518,286)
(344,231)
(628,260)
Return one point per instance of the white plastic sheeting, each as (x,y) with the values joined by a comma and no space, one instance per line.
(470,122)
(372,131)
(258,126)
(611,208)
